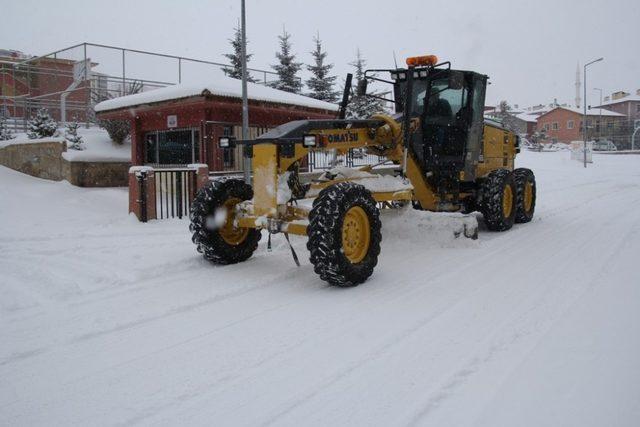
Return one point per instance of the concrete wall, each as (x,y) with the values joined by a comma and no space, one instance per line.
(43,159)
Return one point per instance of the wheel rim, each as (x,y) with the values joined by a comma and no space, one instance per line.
(528,196)
(356,234)
(507,201)
(229,233)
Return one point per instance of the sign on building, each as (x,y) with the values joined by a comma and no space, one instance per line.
(172,121)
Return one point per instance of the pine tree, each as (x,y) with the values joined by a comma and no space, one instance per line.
(235,71)
(42,125)
(71,135)
(5,133)
(362,107)
(287,67)
(321,83)
(119,130)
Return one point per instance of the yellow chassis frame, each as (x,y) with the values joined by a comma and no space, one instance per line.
(386,140)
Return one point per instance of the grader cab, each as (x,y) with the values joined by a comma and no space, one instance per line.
(448,159)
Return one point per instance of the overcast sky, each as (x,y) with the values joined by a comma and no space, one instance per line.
(529,49)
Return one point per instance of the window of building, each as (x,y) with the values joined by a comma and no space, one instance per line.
(555,126)
(637,108)
(609,125)
(570,124)
(546,126)
(172,147)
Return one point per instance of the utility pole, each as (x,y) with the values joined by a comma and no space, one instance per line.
(245,101)
(584,116)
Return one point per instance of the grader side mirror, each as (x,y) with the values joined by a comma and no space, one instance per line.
(361,90)
(456,80)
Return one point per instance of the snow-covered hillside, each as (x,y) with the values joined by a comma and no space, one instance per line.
(104,320)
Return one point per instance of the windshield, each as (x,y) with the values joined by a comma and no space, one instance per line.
(445,102)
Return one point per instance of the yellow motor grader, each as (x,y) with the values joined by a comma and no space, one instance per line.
(447,157)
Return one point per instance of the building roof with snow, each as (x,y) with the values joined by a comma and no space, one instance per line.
(223,87)
(627,98)
(590,112)
(527,117)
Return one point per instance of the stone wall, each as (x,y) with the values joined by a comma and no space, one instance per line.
(43,159)
(96,174)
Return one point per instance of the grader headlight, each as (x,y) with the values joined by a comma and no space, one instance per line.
(421,61)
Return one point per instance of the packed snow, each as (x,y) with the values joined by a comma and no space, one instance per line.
(223,86)
(107,321)
(97,146)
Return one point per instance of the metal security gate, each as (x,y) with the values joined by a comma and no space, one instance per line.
(175,190)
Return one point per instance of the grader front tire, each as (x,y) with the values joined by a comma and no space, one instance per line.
(344,234)
(222,243)
(526,194)
(498,203)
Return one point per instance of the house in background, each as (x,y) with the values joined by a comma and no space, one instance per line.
(623,103)
(564,124)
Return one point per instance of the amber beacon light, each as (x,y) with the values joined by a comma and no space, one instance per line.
(416,61)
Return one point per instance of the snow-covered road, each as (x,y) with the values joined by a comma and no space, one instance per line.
(105,321)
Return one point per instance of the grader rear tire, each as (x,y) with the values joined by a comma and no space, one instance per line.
(344,234)
(222,243)
(526,194)
(498,204)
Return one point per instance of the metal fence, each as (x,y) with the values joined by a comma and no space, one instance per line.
(70,81)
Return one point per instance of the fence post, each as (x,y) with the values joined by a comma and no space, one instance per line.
(142,193)
(202,176)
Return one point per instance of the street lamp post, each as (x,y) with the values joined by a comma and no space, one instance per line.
(584,116)
(600,111)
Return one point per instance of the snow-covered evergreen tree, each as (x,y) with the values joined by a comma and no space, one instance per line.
(362,107)
(5,133)
(287,68)
(74,140)
(321,83)
(42,125)
(119,130)
(235,58)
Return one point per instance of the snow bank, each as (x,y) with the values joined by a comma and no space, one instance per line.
(21,139)
(223,86)
(98,147)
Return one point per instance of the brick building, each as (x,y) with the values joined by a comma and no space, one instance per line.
(42,83)
(181,124)
(564,124)
(623,103)
(628,105)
